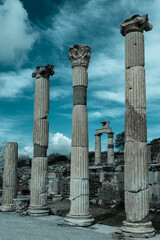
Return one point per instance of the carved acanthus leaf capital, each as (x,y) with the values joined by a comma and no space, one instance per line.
(80,55)
(43,71)
(135,23)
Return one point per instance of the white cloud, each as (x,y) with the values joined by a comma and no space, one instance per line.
(17,34)
(28,150)
(59,92)
(14,83)
(59,144)
(112,112)
(111,96)
(77,17)
(103,66)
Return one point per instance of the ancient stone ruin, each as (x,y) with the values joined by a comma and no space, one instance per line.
(9,177)
(38,199)
(99,132)
(79,183)
(132,178)
(135,153)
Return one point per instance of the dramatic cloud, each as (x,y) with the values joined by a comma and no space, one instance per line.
(59,144)
(60,92)
(28,150)
(111,113)
(13,84)
(17,34)
(111,96)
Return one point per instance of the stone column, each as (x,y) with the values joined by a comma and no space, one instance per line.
(97,148)
(110,148)
(135,152)
(38,199)
(9,177)
(79,183)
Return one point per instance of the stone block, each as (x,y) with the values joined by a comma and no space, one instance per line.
(155,193)
(79,126)
(41,99)
(79,95)
(151,177)
(39,181)
(80,76)
(79,162)
(41,132)
(53,186)
(135,91)
(134,49)
(40,151)
(134,121)
(156,175)
(79,196)
(136,166)
(112,189)
(136,205)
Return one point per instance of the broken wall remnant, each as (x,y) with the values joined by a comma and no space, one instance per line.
(79,182)
(110,151)
(9,176)
(135,151)
(39,171)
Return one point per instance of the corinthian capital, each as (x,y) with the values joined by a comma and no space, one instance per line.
(135,23)
(80,55)
(43,71)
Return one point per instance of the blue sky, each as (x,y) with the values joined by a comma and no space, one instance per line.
(40,32)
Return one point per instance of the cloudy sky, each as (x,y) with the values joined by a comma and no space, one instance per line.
(40,32)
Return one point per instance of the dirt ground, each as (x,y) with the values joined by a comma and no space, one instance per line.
(108,215)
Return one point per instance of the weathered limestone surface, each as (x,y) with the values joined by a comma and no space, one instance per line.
(80,126)
(40,140)
(111,148)
(97,148)
(9,177)
(40,132)
(39,177)
(79,182)
(134,49)
(135,152)
(41,99)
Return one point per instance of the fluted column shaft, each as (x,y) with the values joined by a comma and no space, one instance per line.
(79,181)
(9,176)
(111,148)
(38,199)
(97,148)
(135,151)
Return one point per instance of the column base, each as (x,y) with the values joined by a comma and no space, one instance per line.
(81,221)
(138,230)
(7,208)
(38,211)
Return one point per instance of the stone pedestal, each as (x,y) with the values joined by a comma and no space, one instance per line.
(79,183)
(38,201)
(135,151)
(111,148)
(9,177)
(97,148)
